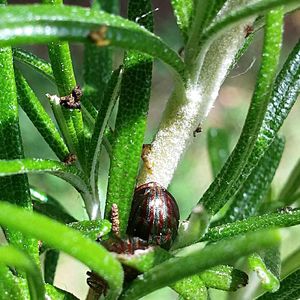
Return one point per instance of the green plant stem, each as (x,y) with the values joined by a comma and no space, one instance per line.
(13,257)
(67,240)
(197,261)
(267,221)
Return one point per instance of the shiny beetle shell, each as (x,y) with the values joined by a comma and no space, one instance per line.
(154,215)
(126,245)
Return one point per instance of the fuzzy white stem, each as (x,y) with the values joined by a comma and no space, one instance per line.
(187,108)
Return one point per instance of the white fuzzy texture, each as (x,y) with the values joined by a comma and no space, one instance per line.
(187,108)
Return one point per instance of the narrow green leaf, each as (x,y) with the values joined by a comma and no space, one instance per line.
(50,264)
(289,289)
(198,260)
(68,173)
(224,277)
(270,280)
(14,189)
(220,277)
(131,121)
(73,23)
(33,61)
(49,207)
(45,69)
(40,119)
(191,288)
(284,95)
(218,148)
(183,11)
(13,257)
(202,11)
(9,285)
(243,12)
(97,63)
(61,63)
(67,240)
(219,191)
(249,198)
(284,218)
(92,229)
(109,100)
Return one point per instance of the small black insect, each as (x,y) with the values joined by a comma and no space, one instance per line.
(72,101)
(197,130)
(248,30)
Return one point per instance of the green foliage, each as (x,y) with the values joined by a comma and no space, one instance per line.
(289,289)
(131,120)
(111,116)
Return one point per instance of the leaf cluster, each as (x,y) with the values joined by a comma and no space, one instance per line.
(235,218)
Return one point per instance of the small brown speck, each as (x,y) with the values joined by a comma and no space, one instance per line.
(98,36)
(115,222)
(197,130)
(70,159)
(145,152)
(72,101)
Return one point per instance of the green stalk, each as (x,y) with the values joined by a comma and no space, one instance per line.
(70,122)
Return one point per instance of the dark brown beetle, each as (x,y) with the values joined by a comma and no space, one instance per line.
(120,246)
(116,244)
(154,215)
